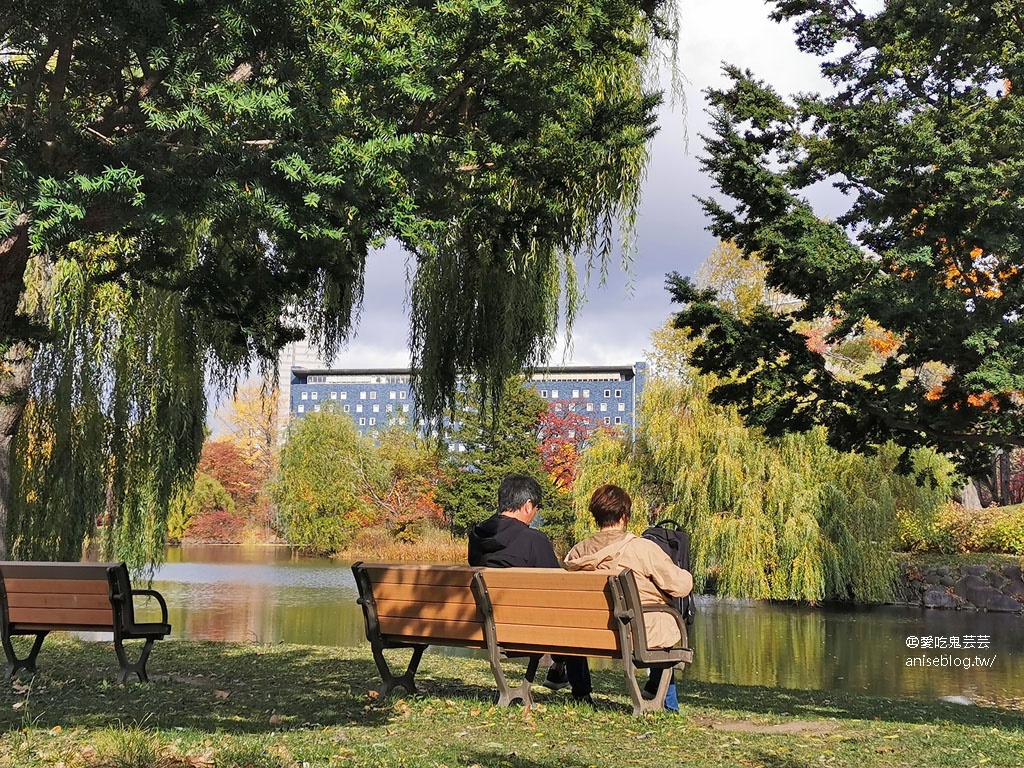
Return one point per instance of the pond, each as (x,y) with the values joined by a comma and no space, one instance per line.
(267,595)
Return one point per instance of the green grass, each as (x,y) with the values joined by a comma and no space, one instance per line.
(213,705)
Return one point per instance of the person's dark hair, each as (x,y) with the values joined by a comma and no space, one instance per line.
(609,505)
(516,490)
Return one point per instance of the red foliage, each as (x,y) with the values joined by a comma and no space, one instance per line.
(564,430)
(224,462)
(217,527)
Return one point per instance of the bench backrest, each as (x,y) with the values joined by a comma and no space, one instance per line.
(72,596)
(420,603)
(536,609)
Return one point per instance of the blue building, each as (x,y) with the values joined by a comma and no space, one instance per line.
(374,398)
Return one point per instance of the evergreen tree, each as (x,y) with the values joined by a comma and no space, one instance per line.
(925,134)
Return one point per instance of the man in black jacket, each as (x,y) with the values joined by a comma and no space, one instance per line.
(506,540)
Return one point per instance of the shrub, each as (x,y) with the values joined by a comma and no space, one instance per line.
(954,529)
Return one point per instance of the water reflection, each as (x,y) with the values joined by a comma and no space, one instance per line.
(268,595)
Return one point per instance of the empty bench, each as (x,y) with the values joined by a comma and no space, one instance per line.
(512,612)
(39,598)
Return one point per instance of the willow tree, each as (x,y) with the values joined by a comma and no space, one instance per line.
(243,158)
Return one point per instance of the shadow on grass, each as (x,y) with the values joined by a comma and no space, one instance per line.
(237,688)
(837,704)
(505,760)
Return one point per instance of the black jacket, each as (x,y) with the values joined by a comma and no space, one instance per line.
(504,542)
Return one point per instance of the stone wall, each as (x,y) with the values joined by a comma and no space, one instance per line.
(969,587)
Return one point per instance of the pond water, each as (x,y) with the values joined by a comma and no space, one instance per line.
(268,595)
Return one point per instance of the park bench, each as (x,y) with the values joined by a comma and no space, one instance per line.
(512,612)
(39,598)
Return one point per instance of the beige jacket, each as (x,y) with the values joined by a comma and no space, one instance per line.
(655,573)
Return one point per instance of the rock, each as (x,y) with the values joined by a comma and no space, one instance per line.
(962,700)
(931,578)
(1013,589)
(943,570)
(973,570)
(939,598)
(947,581)
(996,579)
(1000,603)
(1013,573)
(967,583)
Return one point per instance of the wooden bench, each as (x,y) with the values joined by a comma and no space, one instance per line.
(512,612)
(39,598)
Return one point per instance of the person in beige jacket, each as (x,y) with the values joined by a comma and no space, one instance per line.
(614,548)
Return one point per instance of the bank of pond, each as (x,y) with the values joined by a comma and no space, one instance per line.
(270,595)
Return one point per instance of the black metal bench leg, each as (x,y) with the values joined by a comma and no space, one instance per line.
(127,668)
(641,705)
(506,693)
(392,681)
(14,664)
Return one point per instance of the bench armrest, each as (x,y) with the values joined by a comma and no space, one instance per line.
(662,608)
(159,599)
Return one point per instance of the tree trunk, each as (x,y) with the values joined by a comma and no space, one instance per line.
(16,358)
(13,397)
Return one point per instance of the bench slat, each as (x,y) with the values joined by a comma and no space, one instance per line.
(400,609)
(432,630)
(51,586)
(41,600)
(569,598)
(545,578)
(413,592)
(57,617)
(553,617)
(561,639)
(55,571)
(435,575)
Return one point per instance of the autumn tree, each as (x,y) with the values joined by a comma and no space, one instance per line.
(923,133)
(564,431)
(225,169)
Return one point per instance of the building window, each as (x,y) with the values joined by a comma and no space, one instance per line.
(607,420)
(316,408)
(405,408)
(622,406)
(376,408)
(344,395)
(604,407)
(554,394)
(359,408)
(543,393)
(312,395)
(618,419)
(390,408)
(373,395)
(401,395)
(590,407)
(392,395)
(618,393)
(372,421)
(575,393)
(334,395)
(586,393)
(362,395)
(302,408)
(607,393)
(362,421)
(305,395)
(347,408)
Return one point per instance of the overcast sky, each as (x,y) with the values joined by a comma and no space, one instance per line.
(615,325)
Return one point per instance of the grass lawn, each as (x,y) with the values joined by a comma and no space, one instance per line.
(220,705)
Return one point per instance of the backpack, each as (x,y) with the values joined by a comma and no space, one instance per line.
(676,543)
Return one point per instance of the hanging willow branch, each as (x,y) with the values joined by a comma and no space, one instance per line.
(114,423)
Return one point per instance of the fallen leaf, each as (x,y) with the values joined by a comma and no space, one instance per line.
(276,719)
(374,694)
(18,705)
(56,729)
(221,694)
